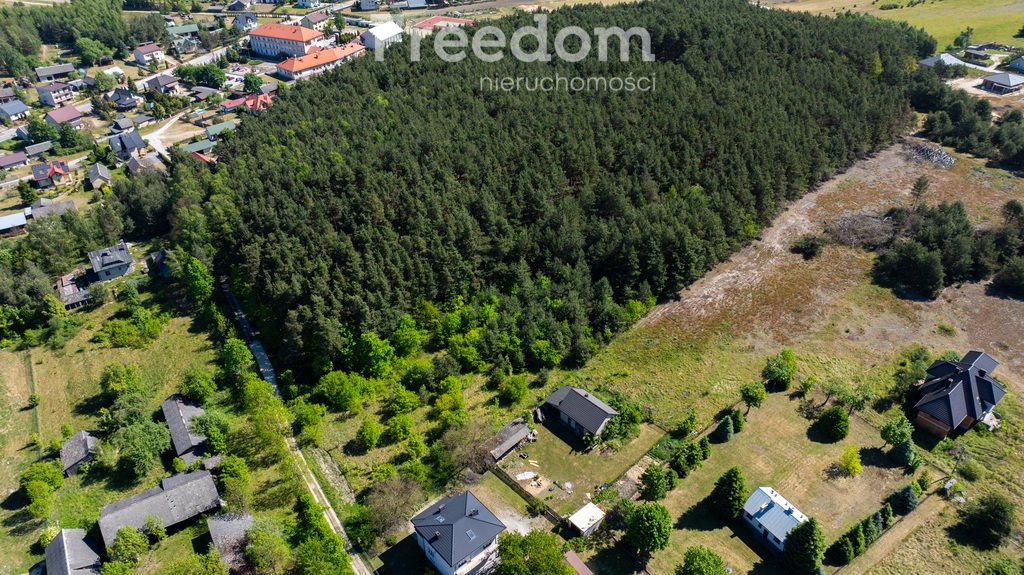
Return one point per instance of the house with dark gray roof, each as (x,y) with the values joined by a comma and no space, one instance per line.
(98,175)
(579,410)
(7,94)
(1003,83)
(955,394)
(771,516)
(70,553)
(39,149)
(111,262)
(78,449)
(123,99)
(459,534)
(179,413)
(177,499)
(228,532)
(127,144)
(45,207)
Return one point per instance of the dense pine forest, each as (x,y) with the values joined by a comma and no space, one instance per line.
(556,218)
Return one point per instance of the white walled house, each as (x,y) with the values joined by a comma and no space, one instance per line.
(458,534)
(146,54)
(771,516)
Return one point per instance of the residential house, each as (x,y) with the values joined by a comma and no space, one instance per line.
(13,110)
(182,45)
(213,132)
(127,144)
(1003,83)
(111,262)
(200,146)
(508,438)
(947,59)
(586,519)
(245,22)
(45,207)
(51,73)
(955,394)
(50,173)
(123,99)
(1016,64)
(179,413)
(70,553)
(55,94)
(12,224)
(184,30)
(239,5)
(57,117)
(435,23)
(318,62)
(382,35)
(368,5)
(164,83)
(771,516)
(36,150)
(98,176)
(176,500)
(6,95)
(268,88)
(149,162)
(146,54)
(291,41)
(228,532)
(69,292)
(315,20)
(78,449)
(17,159)
(409,4)
(459,534)
(202,93)
(251,103)
(140,120)
(579,410)
(121,124)
(308,3)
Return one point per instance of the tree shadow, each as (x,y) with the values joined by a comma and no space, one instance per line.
(403,557)
(273,494)
(699,517)
(14,501)
(616,559)
(91,405)
(963,534)
(993,291)
(877,457)
(817,435)
(832,472)
(809,410)
(22,523)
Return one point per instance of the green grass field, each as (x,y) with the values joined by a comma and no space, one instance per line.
(992,20)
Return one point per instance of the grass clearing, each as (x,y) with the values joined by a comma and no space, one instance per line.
(561,458)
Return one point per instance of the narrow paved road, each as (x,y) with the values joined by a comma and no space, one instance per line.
(267,371)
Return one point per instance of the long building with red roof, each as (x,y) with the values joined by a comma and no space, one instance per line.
(277,39)
(319,61)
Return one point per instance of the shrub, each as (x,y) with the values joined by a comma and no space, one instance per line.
(398,428)
(369,434)
(1002,567)
(725,430)
(903,500)
(1011,277)
(849,461)
(834,424)
(971,470)
(737,420)
(856,537)
(753,394)
(705,447)
(990,520)
(810,245)
(648,528)
(805,548)
(656,482)
(870,530)
(897,431)
(780,369)
(700,561)
(840,552)
(197,385)
(129,546)
(512,390)
(886,514)
(34,400)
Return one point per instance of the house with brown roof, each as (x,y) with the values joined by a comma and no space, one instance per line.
(64,115)
(315,21)
(276,40)
(146,54)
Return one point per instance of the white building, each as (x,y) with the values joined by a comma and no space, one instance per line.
(458,534)
(587,519)
(308,3)
(382,36)
(771,516)
(147,54)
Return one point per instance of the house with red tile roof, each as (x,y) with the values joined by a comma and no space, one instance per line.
(50,173)
(277,39)
(319,61)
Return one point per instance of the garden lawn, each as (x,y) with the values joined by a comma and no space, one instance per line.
(776,449)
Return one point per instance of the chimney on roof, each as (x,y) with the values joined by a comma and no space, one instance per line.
(437,535)
(441,507)
(474,512)
(982,372)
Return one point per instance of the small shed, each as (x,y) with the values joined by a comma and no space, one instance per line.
(78,449)
(587,519)
(508,438)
